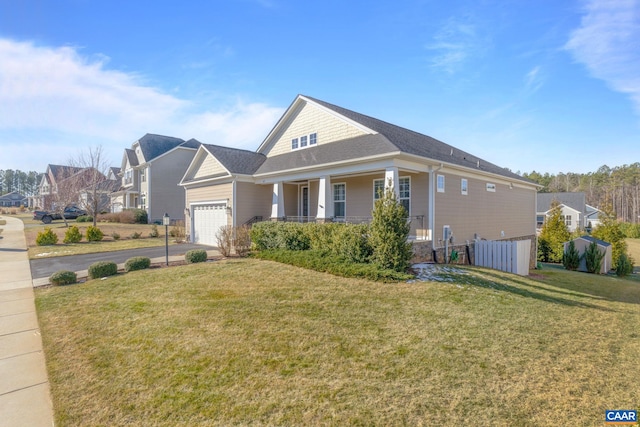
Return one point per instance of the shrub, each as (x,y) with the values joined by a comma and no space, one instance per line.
(178,231)
(330,263)
(102,269)
(571,257)
(224,238)
(46,237)
(593,258)
(624,266)
(84,218)
(124,217)
(389,233)
(195,255)
(63,277)
(136,235)
(280,235)
(242,241)
(154,231)
(94,234)
(72,235)
(115,236)
(140,216)
(137,263)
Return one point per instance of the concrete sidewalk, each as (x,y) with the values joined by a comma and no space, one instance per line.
(24,386)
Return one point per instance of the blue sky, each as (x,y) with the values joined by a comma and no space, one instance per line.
(551,86)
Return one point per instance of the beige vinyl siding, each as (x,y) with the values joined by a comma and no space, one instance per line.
(290,200)
(252,200)
(484,213)
(163,178)
(309,119)
(209,167)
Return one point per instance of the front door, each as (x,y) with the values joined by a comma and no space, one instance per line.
(305,202)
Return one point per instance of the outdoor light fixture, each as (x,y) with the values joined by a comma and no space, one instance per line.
(166,221)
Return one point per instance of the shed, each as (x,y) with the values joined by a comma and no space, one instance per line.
(582,243)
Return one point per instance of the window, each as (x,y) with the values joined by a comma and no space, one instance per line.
(567,220)
(404,186)
(464,187)
(128,177)
(440,183)
(539,220)
(304,141)
(404,191)
(143,176)
(491,187)
(143,201)
(378,189)
(339,200)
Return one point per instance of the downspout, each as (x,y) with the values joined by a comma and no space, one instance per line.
(233,202)
(148,177)
(432,207)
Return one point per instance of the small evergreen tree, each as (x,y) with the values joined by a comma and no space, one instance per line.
(571,257)
(609,230)
(72,235)
(624,266)
(552,236)
(593,258)
(389,233)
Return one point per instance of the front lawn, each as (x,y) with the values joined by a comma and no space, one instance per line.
(251,342)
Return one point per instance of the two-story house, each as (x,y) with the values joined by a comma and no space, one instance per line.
(150,172)
(576,213)
(48,188)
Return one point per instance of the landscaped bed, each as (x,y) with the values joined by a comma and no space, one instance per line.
(245,341)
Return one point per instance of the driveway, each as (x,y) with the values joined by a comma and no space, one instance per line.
(45,267)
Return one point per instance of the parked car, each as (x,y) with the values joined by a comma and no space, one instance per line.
(70,212)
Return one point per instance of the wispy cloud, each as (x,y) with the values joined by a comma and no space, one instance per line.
(54,96)
(607,42)
(457,41)
(533,80)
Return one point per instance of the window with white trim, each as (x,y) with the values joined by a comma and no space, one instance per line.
(339,200)
(304,141)
(440,183)
(404,193)
(491,187)
(464,186)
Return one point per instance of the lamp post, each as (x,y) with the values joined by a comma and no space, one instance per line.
(166,221)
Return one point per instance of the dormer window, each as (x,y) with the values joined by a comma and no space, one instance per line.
(304,141)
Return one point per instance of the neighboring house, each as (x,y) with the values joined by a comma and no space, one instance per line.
(104,190)
(575,211)
(49,183)
(582,243)
(325,163)
(150,173)
(13,200)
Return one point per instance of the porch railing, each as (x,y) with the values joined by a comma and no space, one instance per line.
(351,219)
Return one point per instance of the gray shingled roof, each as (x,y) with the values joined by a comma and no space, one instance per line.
(235,160)
(153,146)
(192,143)
(575,201)
(593,239)
(131,156)
(408,141)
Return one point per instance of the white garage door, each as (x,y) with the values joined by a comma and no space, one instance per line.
(207,220)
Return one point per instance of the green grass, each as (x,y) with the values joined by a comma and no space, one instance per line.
(251,342)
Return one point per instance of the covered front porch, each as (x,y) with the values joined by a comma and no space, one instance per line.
(350,198)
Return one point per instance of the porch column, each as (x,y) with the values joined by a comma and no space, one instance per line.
(325,199)
(391,179)
(277,201)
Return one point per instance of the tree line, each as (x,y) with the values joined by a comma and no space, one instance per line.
(617,188)
(26,183)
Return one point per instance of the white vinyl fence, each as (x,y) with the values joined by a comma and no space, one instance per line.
(512,257)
